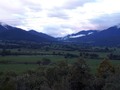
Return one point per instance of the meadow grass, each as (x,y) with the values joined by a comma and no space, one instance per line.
(33,58)
(19,68)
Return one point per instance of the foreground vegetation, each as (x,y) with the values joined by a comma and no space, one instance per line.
(64,76)
(58,66)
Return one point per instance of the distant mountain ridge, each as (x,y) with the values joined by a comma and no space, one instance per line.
(12,33)
(110,36)
(42,35)
(79,34)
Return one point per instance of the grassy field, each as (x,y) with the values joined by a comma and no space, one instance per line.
(33,58)
(19,68)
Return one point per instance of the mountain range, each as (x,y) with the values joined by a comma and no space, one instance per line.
(8,32)
(109,36)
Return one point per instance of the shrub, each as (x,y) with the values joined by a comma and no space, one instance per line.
(45,61)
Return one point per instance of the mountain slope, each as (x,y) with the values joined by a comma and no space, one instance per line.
(3,27)
(12,33)
(33,32)
(79,35)
(108,36)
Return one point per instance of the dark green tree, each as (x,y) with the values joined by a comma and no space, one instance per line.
(80,77)
(105,68)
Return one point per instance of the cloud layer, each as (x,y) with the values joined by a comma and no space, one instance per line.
(60,17)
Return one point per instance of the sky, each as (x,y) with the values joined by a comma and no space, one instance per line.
(60,17)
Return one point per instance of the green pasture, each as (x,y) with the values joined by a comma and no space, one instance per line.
(19,68)
(32,58)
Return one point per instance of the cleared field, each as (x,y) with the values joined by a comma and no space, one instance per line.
(19,68)
(33,58)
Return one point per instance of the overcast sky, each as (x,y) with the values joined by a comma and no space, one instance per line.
(60,17)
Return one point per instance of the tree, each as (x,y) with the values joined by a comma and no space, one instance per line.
(52,76)
(31,80)
(7,81)
(105,68)
(80,77)
(113,81)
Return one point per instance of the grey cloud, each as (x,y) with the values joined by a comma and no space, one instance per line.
(11,18)
(35,8)
(55,30)
(15,14)
(106,21)
(12,14)
(32,6)
(72,4)
(29,13)
(13,6)
(58,14)
(67,26)
(52,30)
